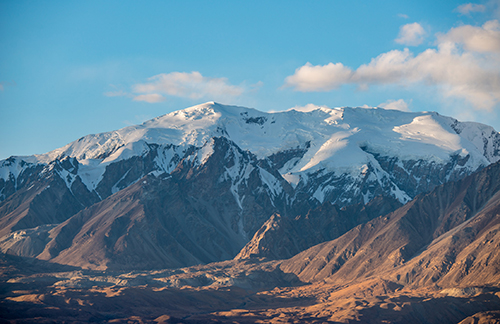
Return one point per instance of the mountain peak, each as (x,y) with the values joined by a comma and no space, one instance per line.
(329,142)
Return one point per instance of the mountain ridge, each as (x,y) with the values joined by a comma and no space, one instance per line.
(327,142)
(213,230)
(461,213)
(251,165)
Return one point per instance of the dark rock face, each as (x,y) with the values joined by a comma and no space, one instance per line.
(279,159)
(283,237)
(418,176)
(452,223)
(403,179)
(43,197)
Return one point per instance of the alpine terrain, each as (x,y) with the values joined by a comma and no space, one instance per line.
(229,214)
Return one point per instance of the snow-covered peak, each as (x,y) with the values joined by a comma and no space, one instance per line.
(334,154)
(338,139)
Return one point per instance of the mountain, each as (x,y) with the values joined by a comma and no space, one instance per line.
(434,260)
(283,237)
(196,185)
(128,231)
(448,237)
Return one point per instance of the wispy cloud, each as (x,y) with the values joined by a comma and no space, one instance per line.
(465,65)
(187,85)
(4,84)
(308,107)
(150,98)
(467,8)
(395,105)
(191,85)
(402,15)
(256,86)
(411,34)
(138,119)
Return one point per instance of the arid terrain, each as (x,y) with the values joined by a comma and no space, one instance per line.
(387,270)
(227,292)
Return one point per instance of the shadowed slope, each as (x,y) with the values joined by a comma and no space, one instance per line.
(393,240)
(282,237)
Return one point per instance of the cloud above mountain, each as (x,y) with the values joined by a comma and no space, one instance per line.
(191,85)
(399,104)
(465,64)
(484,39)
(150,98)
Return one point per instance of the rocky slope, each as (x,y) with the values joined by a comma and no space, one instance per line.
(434,260)
(283,237)
(448,237)
(187,217)
(195,186)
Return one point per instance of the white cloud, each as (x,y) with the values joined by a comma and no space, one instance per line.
(150,98)
(478,39)
(319,78)
(401,15)
(187,85)
(395,105)
(467,8)
(463,66)
(411,34)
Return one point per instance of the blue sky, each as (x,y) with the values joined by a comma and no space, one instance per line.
(71,68)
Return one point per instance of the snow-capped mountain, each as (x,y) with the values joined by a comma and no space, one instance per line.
(231,169)
(313,150)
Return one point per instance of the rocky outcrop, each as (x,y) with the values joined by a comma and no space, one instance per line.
(283,237)
(448,236)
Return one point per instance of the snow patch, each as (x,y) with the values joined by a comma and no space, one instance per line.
(426,130)
(68,177)
(11,168)
(205,152)
(292,179)
(91,173)
(271,182)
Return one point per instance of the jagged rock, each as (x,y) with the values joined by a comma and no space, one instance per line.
(283,237)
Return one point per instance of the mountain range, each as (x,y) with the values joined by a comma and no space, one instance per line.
(328,204)
(194,186)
